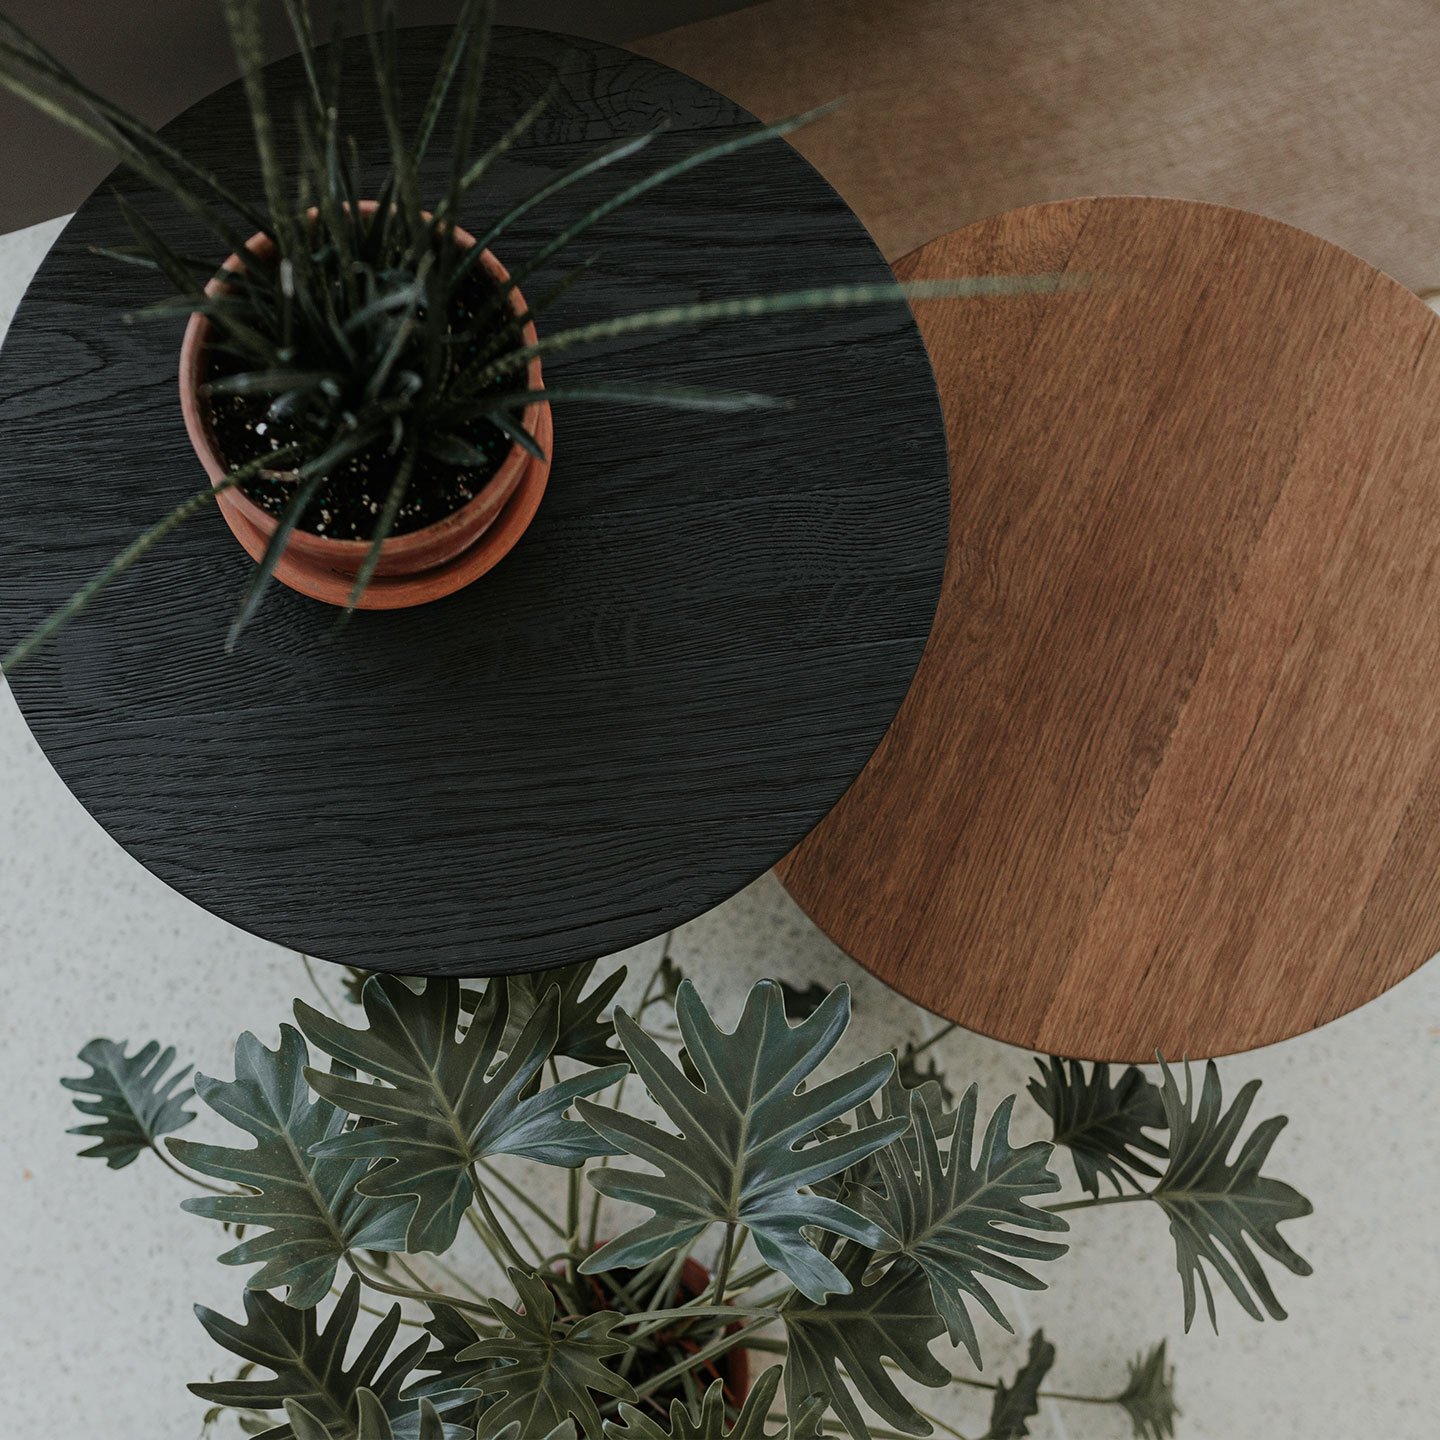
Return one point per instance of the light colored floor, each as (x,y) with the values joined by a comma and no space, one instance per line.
(96,1334)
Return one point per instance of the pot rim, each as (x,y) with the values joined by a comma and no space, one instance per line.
(326,549)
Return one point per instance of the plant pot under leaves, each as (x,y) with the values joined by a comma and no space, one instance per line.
(457,521)
(667,1346)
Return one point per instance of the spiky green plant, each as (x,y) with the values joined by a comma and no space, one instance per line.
(363,328)
(852,1224)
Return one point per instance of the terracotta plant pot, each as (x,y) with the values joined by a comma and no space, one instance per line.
(734,1366)
(417,567)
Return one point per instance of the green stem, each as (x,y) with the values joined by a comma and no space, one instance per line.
(1042,1394)
(454,1276)
(513,1220)
(940,1034)
(691,1312)
(318,987)
(492,1220)
(721,1345)
(1091,1202)
(487,1238)
(944,1425)
(524,1198)
(723,1264)
(743,1281)
(175,1169)
(650,984)
(404,1292)
(379,1314)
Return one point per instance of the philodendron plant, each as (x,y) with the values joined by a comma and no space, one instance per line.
(388,376)
(851,1222)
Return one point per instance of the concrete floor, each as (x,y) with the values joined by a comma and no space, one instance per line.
(96,1332)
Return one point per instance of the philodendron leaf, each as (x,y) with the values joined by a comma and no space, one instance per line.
(1219,1208)
(542,1374)
(449,1382)
(1015,1405)
(1149,1397)
(445,1100)
(516,1432)
(1102,1125)
(854,1333)
(372,1423)
(705,1418)
(962,1220)
(582,1031)
(738,1157)
(895,1099)
(135,1102)
(308,1362)
(311,1206)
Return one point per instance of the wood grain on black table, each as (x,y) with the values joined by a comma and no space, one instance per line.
(673,677)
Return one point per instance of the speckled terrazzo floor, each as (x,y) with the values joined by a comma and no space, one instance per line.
(96,1332)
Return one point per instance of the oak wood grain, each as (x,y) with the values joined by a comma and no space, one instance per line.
(1169,774)
(694,649)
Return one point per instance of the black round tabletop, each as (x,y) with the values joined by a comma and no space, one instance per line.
(669,681)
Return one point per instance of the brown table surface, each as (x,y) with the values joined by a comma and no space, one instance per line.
(1320,112)
(1169,775)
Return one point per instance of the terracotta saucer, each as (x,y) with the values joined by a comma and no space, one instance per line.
(397,592)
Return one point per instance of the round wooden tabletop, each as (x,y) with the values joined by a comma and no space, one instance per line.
(691,653)
(1169,774)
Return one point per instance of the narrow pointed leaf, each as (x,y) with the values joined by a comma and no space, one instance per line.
(136,550)
(309,1207)
(135,1101)
(830,297)
(741,1156)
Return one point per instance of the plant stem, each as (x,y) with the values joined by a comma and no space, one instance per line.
(455,1276)
(487,1237)
(721,1345)
(379,1314)
(723,1264)
(523,1197)
(1090,1202)
(492,1220)
(175,1169)
(940,1034)
(620,1088)
(515,1224)
(403,1292)
(691,1312)
(319,988)
(747,1278)
(1042,1394)
(945,1425)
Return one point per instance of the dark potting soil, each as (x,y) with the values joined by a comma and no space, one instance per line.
(346,505)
